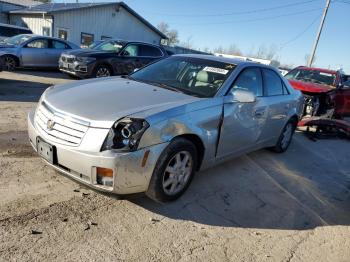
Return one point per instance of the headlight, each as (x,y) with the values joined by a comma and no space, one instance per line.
(85,60)
(125,135)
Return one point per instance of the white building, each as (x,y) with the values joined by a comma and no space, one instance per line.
(10,5)
(246,58)
(84,23)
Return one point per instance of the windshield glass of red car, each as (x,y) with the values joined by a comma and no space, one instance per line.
(313,76)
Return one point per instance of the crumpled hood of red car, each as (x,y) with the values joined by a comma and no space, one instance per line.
(309,87)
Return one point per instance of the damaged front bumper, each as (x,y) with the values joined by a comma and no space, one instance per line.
(131,171)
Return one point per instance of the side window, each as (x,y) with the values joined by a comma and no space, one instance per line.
(131,50)
(150,51)
(272,83)
(250,80)
(59,45)
(38,43)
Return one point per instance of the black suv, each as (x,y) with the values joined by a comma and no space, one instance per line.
(112,57)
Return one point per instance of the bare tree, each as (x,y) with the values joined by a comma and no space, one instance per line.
(188,43)
(172,34)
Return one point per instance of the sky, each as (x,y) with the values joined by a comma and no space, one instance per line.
(289,26)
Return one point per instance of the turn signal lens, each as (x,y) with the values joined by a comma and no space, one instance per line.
(104,176)
(106,172)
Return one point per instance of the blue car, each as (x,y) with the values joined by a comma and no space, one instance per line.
(33,51)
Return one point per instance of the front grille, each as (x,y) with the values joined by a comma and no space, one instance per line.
(59,127)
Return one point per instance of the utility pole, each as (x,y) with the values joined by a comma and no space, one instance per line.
(325,11)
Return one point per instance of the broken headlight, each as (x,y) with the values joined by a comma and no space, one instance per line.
(125,135)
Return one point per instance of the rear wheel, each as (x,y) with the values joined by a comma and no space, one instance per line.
(285,137)
(10,63)
(174,171)
(102,71)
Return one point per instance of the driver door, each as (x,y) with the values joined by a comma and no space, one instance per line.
(34,53)
(243,122)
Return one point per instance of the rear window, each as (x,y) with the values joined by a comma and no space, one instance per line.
(150,51)
(273,83)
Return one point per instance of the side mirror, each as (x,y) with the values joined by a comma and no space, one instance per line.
(240,96)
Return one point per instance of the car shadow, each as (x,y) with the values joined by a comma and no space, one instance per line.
(306,187)
(51,73)
(21,91)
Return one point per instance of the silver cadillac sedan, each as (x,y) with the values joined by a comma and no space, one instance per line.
(152,130)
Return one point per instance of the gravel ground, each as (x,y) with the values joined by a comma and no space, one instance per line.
(259,207)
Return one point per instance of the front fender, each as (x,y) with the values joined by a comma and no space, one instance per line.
(204,123)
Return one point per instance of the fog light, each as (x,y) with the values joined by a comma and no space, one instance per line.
(104,176)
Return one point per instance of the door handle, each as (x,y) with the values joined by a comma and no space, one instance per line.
(259,112)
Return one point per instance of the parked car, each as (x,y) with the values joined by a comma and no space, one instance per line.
(33,51)
(112,57)
(151,131)
(326,92)
(7,31)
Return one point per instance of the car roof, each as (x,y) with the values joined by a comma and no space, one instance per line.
(225,60)
(15,26)
(318,69)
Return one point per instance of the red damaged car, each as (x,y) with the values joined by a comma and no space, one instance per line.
(326,92)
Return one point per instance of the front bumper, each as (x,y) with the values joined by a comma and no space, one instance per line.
(79,163)
(76,69)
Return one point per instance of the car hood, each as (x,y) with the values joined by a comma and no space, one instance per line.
(103,101)
(309,87)
(85,52)
(4,45)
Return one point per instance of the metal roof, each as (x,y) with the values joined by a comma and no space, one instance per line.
(51,8)
(25,3)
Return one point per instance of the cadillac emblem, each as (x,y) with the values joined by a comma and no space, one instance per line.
(50,124)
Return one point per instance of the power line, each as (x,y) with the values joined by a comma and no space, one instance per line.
(341,1)
(249,20)
(241,12)
(300,34)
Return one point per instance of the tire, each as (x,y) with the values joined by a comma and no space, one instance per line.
(159,188)
(10,63)
(285,137)
(102,71)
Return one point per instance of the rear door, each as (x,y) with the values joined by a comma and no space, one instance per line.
(56,49)
(34,53)
(135,56)
(243,123)
(149,54)
(278,101)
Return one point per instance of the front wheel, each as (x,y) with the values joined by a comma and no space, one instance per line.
(10,63)
(102,71)
(174,171)
(285,137)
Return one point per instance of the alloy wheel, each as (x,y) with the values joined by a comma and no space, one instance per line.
(177,173)
(103,72)
(287,135)
(10,63)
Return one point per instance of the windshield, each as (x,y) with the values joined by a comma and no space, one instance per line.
(314,76)
(17,40)
(110,46)
(193,76)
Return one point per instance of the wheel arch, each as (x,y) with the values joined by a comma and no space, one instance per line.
(197,141)
(16,58)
